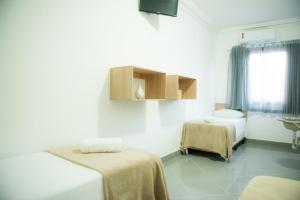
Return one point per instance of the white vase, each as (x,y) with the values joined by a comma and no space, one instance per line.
(139,93)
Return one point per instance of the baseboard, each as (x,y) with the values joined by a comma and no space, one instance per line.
(170,155)
(286,147)
(267,142)
(247,140)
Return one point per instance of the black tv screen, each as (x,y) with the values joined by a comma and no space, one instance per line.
(164,7)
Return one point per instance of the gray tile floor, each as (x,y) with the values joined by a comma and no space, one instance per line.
(206,176)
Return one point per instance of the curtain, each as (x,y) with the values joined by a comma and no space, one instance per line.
(292,99)
(239,91)
(237,78)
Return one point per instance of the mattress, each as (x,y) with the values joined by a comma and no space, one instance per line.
(45,176)
(240,126)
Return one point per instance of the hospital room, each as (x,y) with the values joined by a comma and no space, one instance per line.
(150,100)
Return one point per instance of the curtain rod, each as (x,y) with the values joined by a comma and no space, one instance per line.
(260,44)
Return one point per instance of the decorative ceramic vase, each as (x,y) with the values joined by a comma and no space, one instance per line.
(139,93)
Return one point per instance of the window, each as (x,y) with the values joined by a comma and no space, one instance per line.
(266,81)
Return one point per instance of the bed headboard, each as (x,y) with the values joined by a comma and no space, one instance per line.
(219,106)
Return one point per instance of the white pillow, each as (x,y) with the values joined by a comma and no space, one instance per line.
(227,113)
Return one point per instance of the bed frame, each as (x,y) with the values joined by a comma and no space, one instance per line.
(220,106)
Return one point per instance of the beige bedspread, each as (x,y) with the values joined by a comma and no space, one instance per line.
(128,175)
(271,188)
(215,137)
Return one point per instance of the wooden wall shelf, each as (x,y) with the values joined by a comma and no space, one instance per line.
(180,87)
(156,85)
(124,81)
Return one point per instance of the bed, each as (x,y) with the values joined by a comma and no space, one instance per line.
(45,176)
(271,188)
(65,173)
(219,134)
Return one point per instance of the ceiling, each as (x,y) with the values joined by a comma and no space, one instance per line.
(229,13)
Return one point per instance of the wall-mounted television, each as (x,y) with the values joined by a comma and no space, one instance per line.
(164,7)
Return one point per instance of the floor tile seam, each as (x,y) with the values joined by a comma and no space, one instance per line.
(198,165)
(234,180)
(201,167)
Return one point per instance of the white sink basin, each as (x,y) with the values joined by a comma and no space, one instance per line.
(292,124)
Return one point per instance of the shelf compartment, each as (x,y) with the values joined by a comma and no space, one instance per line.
(123,83)
(180,87)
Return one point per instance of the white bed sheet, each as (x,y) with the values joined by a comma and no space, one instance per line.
(240,126)
(45,176)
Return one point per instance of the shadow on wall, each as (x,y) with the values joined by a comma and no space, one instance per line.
(119,118)
(172,113)
(153,19)
(124,118)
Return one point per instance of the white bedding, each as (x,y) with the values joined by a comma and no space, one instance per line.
(239,123)
(45,176)
(240,126)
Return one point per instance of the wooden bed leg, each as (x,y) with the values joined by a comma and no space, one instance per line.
(187,152)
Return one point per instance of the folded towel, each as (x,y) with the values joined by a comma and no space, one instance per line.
(209,119)
(94,145)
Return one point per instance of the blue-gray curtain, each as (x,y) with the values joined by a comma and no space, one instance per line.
(292,98)
(237,97)
(237,78)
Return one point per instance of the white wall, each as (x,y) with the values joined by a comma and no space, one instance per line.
(260,126)
(54,73)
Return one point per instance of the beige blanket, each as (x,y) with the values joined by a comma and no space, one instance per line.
(215,137)
(271,188)
(128,175)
